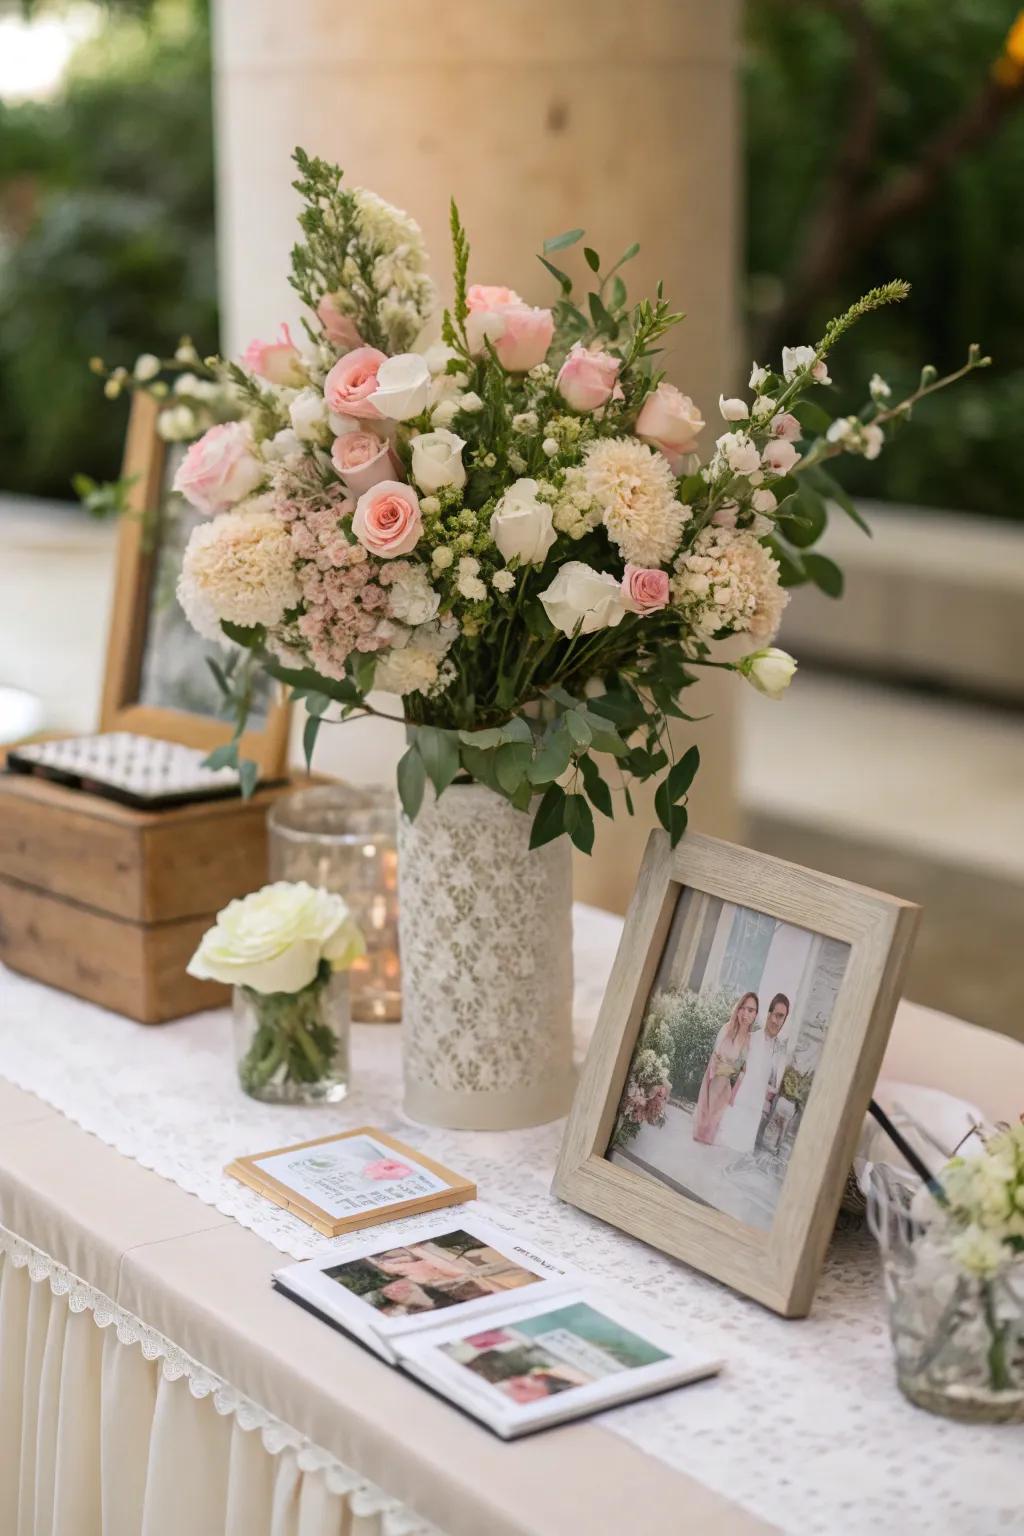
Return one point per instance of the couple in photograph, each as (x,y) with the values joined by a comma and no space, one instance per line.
(743,1077)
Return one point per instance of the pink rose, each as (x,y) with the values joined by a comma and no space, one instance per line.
(279,361)
(387,520)
(351,380)
(491,296)
(670,422)
(779,456)
(219,469)
(519,334)
(338,328)
(786,426)
(386,1168)
(643,590)
(589,378)
(362,459)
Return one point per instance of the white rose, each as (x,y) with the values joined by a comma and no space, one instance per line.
(733,409)
(275,939)
(308,412)
(444,413)
(770,671)
(403,387)
(521,526)
(437,460)
(581,600)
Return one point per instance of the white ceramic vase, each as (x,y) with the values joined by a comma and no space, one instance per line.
(485,930)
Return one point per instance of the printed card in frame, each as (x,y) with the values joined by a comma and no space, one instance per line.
(157,681)
(736,1050)
(362,1177)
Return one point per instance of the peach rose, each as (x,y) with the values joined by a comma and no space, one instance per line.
(519,334)
(670,422)
(352,379)
(589,378)
(387,519)
(644,590)
(491,296)
(219,469)
(340,329)
(362,459)
(279,361)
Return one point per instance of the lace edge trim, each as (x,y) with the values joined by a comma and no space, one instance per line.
(366,1498)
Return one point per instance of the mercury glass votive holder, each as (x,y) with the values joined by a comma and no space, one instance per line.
(343,838)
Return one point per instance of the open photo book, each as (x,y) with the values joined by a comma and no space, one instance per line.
(494,1325)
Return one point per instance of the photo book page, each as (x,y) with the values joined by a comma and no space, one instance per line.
(482,1316)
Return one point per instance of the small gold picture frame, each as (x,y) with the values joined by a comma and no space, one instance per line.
(735,1053)
(157,681)
(373,1178)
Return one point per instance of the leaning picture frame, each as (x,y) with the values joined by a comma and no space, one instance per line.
(733,1060)
(157,681)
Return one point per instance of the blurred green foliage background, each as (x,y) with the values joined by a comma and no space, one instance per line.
(106,226)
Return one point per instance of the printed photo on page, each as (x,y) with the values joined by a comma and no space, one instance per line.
(462,1266)
(553,1360)
(351,1176)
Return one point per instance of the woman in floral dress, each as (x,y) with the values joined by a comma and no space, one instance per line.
(725,1069)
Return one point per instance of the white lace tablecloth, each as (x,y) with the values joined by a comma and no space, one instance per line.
(805,1426)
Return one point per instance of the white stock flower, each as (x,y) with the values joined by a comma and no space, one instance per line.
(521,525)
(763,406)
(583,600)
(856,436)
(403,386)
(798,359)
(764,501)
(770,671)
(274,939)
(978,1251)
(738,452)
(468,580)
(733,409)
(437,460)
(470,402)
(758,375)
(444,413)
(503,581)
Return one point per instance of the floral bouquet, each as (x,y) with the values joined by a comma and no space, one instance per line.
(510,527)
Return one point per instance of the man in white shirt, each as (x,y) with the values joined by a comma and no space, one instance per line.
(778,1051)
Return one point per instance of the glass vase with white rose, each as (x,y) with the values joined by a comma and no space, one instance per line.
(286,951)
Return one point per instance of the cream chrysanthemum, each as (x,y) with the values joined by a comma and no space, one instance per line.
(239,567)
(729,581)
(636,491)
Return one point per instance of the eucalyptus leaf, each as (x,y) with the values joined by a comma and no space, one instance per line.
(595,786)
(579,822)
(549,821)
(412,781)
(560,242)
(440,755)
(310,732)
(510,764)
(825,574)
(248,777)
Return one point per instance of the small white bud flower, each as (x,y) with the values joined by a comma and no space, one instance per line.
(770,671)
(147,366)
(549,447)
(470,402)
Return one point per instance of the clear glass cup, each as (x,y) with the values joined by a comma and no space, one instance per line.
(958,1337)
(343,837)
(292,1047)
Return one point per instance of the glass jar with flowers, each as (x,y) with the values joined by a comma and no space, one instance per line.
(953,1254)
(286,951)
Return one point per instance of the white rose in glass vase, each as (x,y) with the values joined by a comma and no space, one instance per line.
(274,939)
(582,600)
(521,525)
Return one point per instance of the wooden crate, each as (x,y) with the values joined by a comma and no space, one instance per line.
(109,902)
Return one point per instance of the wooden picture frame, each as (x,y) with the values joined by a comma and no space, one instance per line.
(124,706)
(457,1190)
(777,1263)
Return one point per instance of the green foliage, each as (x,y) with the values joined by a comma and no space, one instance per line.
(689,1022)
(106,239)
(960,250)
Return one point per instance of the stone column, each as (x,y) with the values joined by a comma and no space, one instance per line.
(618,117)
